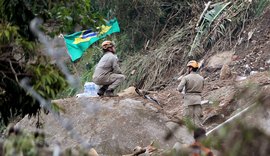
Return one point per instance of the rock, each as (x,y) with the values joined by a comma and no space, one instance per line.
(235,57)
(204,102)
(177,146)
(220,59)
(180,132)
(212,118)
(240,78)
(128,91)
(247,69)
(151,107)
(260,78)
(225,72)
(180,147)
(262,69)
(253,72)
(84,95)
(115,128)
(92,152)
(221,96)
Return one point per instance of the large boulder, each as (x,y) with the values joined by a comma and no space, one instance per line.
(113,126)
(219,59)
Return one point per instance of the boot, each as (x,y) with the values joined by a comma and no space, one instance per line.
(109,93)
(102,90)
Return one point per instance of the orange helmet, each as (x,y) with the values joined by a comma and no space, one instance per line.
(107,44)
(193,64)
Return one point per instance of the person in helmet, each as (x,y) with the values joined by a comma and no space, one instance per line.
(107,73)
(193,86)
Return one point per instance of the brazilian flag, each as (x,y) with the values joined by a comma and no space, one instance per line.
(78,42)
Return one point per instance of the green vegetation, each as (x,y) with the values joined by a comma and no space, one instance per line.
(21,56)
(14,52)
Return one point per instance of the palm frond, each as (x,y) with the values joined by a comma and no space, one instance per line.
(209,17)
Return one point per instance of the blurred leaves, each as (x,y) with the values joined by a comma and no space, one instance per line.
(14,52)
(47,80)
(20,57)
(79,16)
(8,33)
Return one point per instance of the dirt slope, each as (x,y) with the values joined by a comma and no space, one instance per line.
(249,59)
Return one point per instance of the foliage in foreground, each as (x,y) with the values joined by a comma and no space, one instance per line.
(19,142)
(21,57)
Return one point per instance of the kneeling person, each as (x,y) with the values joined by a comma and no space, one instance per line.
(107,73)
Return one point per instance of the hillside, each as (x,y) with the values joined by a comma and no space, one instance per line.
(114,126)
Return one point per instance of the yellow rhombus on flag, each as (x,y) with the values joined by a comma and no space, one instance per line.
(78,42)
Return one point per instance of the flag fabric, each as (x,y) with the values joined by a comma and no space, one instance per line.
(78,42)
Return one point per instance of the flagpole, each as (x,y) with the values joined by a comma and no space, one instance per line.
(62,37)
(73,64)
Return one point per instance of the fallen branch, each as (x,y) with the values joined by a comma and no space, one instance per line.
(139,150)
(144,94)
(205,9)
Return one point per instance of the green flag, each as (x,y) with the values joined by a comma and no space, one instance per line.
(78,42)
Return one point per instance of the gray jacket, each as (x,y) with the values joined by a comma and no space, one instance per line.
(107,64)
(192,82)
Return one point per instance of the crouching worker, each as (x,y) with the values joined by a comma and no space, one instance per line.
(107,73)
(193,84)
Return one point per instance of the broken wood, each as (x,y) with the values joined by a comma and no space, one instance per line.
(205,9)
(139,150)
(144,94)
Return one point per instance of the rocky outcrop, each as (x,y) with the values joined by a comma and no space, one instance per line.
(219,59)
(113,126)
(225,72)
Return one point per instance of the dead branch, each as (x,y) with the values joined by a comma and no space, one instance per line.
(205,9)
(13,71)
(137,151)
(18,74)
(167,22)
(144,94)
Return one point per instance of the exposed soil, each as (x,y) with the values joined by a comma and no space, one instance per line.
(254,54)
(250,56)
